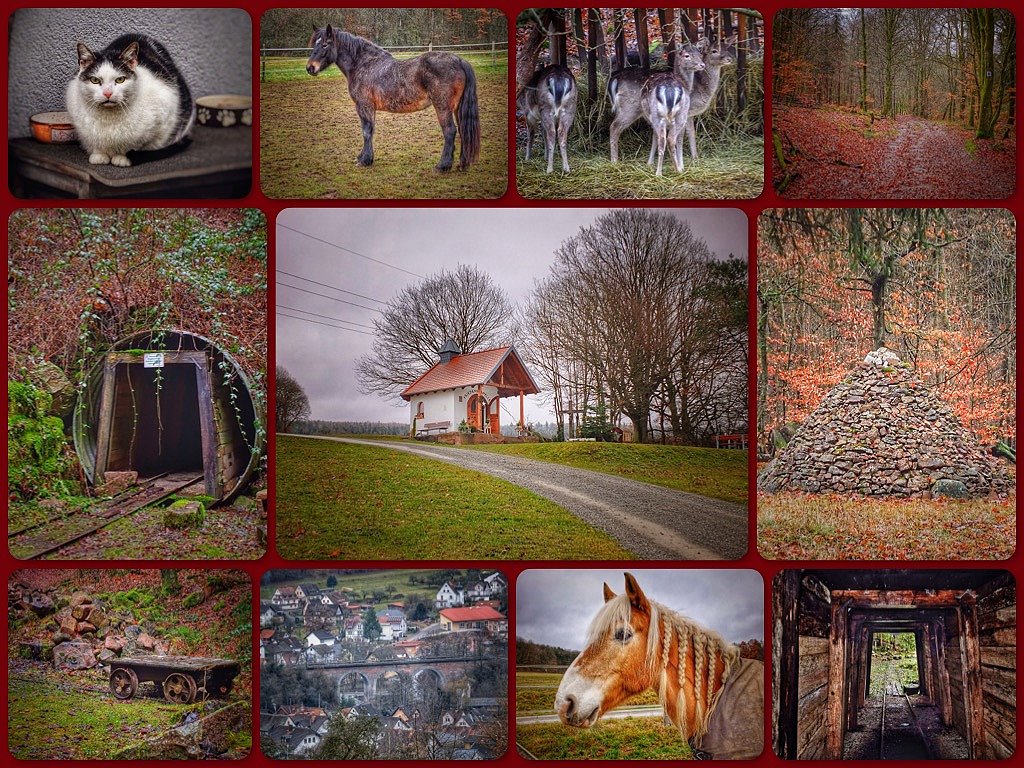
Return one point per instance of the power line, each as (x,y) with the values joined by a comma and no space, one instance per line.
(332,298)
(325,317)
(332,287)
(348,250)
(328,325)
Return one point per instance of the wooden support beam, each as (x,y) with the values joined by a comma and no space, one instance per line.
(786,666)
(945,693)
(837,639)
(106,414)
(922,677)
(898,598)
(970,651)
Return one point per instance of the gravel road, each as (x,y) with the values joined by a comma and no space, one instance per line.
(653,522)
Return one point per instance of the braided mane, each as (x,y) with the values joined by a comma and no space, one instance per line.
(682,656)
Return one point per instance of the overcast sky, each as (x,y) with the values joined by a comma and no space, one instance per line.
(514,246)
(555,607)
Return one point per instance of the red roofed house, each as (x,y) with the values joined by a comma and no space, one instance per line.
(468,387)
(476,617)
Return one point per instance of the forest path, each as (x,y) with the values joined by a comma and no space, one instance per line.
(654,522)
(834,153)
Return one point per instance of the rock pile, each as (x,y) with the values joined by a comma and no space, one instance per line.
(882,432)
(81,633)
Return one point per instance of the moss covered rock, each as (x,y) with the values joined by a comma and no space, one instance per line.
(185,513)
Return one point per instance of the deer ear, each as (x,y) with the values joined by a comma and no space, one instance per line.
(636,596)
(732,40)
(608,594)
(702,44)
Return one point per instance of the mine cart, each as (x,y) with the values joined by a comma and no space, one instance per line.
(181,678)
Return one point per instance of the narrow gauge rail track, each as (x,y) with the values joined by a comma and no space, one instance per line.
(904,743)
(45,537)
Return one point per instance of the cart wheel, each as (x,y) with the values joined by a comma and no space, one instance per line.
(123,683)
(179,688)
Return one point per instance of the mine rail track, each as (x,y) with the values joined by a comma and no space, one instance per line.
(906,705)
(85,523)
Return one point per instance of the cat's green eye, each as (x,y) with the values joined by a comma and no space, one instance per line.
(121,79)
(94,80)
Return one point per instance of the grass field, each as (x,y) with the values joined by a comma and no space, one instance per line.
(364,583)
(539,697)
(310,136)
(717,473)
(343,501)
(795,526)
(631,738)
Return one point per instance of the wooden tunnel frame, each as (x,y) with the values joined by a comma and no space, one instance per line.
(936,615)
(229,434)
(204,396)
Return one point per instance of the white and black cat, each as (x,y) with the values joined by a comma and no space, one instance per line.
(129,96)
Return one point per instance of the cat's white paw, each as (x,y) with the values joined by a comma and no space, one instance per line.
(98,158)
(121,160)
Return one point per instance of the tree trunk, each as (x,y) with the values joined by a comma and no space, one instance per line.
(668,35)
(643,41)
(526,57)
(981,22)
(592,24)
(863,63)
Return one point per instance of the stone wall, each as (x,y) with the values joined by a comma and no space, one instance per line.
(882,432)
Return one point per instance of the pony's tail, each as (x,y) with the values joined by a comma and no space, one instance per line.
(469,119)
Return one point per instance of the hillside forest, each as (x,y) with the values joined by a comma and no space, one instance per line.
(937,286)
(879,102)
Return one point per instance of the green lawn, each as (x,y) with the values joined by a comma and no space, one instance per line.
(355,502)
(805,526)
(713,472)
(632,738)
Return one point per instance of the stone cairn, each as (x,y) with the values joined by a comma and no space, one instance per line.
(882,432)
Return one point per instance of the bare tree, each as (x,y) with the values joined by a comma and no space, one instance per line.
(625,320)
(464,305)
(291,404)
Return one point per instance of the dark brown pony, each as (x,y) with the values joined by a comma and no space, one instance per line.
(376,80)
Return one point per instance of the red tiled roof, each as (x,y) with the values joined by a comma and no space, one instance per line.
(475,613)
(466,370)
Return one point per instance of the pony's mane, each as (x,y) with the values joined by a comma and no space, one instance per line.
(360,46)
(667,625)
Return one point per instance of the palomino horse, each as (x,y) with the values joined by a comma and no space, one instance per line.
(714,697)
(376,80)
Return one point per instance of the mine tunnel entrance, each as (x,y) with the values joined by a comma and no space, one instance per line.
(157,416)
(903,665)
(155,426)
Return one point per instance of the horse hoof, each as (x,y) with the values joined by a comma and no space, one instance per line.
(442,168)
(362,163)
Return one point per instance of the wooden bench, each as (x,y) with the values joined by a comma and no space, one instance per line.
(430,426)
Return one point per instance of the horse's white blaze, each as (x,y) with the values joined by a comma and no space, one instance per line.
(585,694)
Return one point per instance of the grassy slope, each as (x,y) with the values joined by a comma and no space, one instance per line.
(795,526)
(336,500)
(717,473)
(632,738)
(364,582)
(539,701)
(299,112)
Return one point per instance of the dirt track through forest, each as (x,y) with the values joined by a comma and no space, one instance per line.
(654,522)
(845,154)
